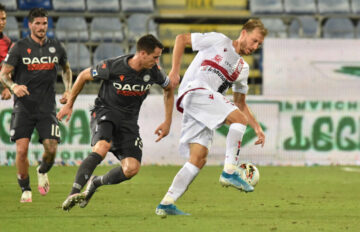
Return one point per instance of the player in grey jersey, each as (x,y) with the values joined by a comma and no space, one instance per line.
(126,83)
(34,61)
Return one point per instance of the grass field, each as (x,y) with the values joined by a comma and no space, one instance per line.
(286,199)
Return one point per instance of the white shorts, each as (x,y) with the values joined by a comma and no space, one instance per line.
(204,111)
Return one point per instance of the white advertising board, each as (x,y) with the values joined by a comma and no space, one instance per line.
(298,132)
(319,69)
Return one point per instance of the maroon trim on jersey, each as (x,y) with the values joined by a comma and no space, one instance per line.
(220,68)
(178,102)
(44,66)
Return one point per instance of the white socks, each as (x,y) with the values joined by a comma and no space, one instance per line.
(180,183)
(233,143)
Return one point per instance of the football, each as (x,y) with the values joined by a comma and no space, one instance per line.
(249,172)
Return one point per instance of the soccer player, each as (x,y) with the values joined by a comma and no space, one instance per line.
(35,61)
(217,66)
(126,83)
(5,44)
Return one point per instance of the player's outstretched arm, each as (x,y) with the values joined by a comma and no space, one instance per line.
(5,75)
(67,80)
(5,93)
(66,110)
(181,42)
(240,102)
(164,128)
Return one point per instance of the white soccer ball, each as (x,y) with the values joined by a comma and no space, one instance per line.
(249,173)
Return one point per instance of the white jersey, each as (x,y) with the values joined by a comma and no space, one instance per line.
(216,66)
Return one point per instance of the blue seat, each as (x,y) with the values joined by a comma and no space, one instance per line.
(276,27)
(103,6)
(137,6)
(71,29)
(107,50)
(355,6)
(106,30)
(12,28)
(29,4)
(25,31)
(333,6)
(266,7)
(300,7)
(10,5)
(69,5)
(303,27)
(137,26)
(338,28)
(78,56)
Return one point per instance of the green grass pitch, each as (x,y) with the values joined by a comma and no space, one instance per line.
(286,199)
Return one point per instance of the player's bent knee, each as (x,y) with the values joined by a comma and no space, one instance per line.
(130,172)
(237,117)
(21,152)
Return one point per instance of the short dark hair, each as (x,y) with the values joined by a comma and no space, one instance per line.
(2,7)
(148,43)
(37,12)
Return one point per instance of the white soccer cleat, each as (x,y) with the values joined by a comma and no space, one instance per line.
(26,197)
(72,200)
(88,193)
(43,182)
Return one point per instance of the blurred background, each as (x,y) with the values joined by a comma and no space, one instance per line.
(304,81)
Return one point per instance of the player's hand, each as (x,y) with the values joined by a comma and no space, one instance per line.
(261,138)
(66,110)
(5,94)
(65,97)
(20,90)
(174,79)
(162,131)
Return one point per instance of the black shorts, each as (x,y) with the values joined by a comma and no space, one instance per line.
(23,123)
(123,135)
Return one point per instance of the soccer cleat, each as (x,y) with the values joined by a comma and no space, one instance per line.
(88,193)
(234,180)
(72,200)
(43,182)
(164,210)
(26,196)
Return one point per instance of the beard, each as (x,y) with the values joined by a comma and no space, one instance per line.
(40,34)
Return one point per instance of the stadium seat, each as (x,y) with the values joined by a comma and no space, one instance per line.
(25,28)
(103,6)
(12,28)
(304,26)
(107,50)
(355,6)
(266,7)
(137,6)
(333,6)
(137,26)
(276,27)
(338,28)
(69,5)
(29,4)
(78,56)
(106,30)
(10,5)
(72,29)
(300,7)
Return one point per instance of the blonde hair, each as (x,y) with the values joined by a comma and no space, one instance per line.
(251,24)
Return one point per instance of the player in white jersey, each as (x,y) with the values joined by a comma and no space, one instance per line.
(217,66)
